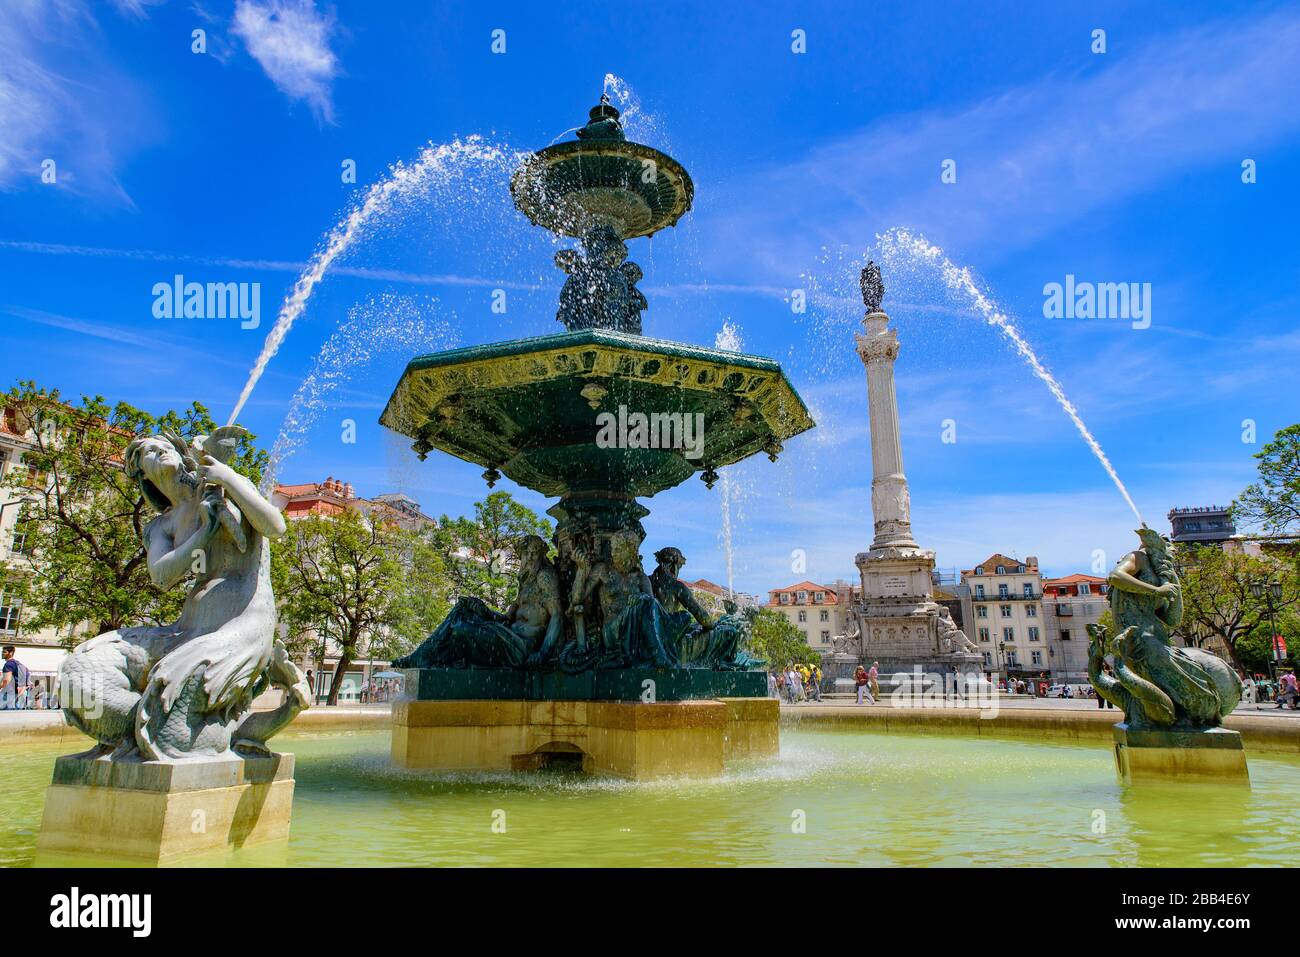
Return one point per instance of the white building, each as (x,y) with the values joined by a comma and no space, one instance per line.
(816,610)
(41,650)
(1004,615)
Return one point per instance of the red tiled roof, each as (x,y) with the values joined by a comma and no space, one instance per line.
(1074,579)
(831,597)
(705,585)
(993,561)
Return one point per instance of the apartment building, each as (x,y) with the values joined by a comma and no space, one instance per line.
(1003,615)
(816,610)
(1070,605)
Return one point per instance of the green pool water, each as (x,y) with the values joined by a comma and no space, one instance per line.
(864,799)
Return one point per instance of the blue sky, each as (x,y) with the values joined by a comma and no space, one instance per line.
(1122,166)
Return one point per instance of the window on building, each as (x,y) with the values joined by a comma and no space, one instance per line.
(802,596)
(1001,569)
(979,591)
(803,616)
(1003,591)
(988,659)
(981,611)
(1033,633)
(984,634)
(1031,611)
(10,611)
(819,597)
(1065,634)
(19,545)
(1008,634)
(1085,588)
(805,634)
(1020,569)
(825,615)
(1103,588)
(785,598)
(979,571)
(1005,610)
(1036,657)
(826,636)
(1012,660)
(1028,590)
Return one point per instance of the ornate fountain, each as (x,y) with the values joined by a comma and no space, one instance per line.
(597,658)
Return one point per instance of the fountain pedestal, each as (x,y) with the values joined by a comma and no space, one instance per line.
(629,739)
(155,812)
(1155,755)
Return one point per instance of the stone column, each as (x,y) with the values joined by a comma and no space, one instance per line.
(890,502)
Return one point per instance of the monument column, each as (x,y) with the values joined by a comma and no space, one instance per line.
(878,349)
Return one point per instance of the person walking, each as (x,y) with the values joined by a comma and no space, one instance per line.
(15,680)
(862,681)
(873,673)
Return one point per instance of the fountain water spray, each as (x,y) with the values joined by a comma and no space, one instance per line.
(728,338)
(898,243)
(382,323)
(403,180)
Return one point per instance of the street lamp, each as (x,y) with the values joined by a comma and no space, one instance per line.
(1269,590)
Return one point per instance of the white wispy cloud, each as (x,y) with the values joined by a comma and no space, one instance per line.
(264,265)
(54,87)
(1031,161)
(290,39)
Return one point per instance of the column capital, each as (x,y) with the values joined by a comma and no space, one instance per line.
(877,343)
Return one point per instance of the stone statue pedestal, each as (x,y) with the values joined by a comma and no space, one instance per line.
(628,739)
(1213,753)
(155,812)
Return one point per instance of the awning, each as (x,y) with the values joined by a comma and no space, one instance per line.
(40,661)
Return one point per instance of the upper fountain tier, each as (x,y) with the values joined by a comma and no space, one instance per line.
(602,179)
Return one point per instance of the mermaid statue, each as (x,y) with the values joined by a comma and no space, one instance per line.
(1158,685)
(183,691)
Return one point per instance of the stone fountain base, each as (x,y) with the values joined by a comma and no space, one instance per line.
(155,812)
(1214,753)
(629,739)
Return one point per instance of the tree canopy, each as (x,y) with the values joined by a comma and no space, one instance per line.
(81,559)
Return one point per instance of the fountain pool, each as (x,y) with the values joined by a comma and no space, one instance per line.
(868,799)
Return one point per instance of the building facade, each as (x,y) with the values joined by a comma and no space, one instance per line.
(1004,615)
(1070,605)
(816,610)
(1205,525)
(41,650)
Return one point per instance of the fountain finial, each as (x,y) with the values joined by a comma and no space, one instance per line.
(602,122)
(873,287)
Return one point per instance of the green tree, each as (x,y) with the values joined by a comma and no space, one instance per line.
(1273,502)
(478,552)
(345,579)
(1219,600)
(778,642)
(82,560)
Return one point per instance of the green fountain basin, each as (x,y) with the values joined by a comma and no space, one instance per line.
(530,408)
(569,187)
